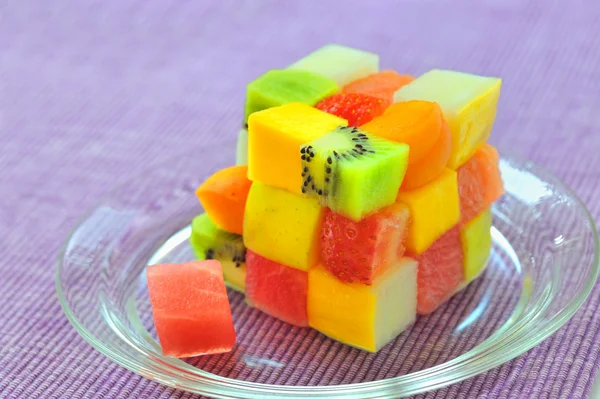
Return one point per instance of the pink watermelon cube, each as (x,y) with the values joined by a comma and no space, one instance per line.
(276,289)
(190,308)
(440,271)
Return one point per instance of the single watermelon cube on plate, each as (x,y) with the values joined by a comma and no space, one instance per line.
(190,308)
(276,289)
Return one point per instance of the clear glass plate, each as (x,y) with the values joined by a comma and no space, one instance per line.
(542,267)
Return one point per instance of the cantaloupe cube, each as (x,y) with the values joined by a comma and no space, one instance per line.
(364,316)
(282,226)
(468,102)
(434,209)
(476,238)
(275,137)
(339,63)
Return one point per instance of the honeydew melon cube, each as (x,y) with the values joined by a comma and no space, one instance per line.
(339,63)
(476,239)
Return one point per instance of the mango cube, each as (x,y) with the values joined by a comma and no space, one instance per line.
(282,86)
(434,209)
(365,316)
(339,63)
(476,239)
(275,137)
(468,102)
(282,226)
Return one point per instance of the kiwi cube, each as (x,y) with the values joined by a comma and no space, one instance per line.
(210,242)
(353,172)
(282,86)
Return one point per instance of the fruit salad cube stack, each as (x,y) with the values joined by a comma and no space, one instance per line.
(360,197)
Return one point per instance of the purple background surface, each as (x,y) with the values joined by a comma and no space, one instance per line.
(93,93)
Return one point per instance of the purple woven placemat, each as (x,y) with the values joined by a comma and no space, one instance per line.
(92,94)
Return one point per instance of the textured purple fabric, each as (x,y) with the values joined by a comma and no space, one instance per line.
(92,93)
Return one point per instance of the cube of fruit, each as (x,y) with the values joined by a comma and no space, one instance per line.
(340,63)
(361,251)
(223,196)
(352,172)
(476,238)
(381,84)
(277,289)
(275,137)
(440,271)
(190,308)
(282,226)
(469,105)
(364,316)
(432,164)
(241,156)
(356,108)
(479,182)
(434,209)
(416,123)
(278,87)
(419,124)
(210,242)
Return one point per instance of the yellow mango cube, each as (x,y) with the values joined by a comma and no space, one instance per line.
(339,63)
(364,316)
(476,239)
(275,137)
(468,102)
(434,209)
(282,226)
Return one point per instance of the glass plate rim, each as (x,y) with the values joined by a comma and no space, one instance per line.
(219,387)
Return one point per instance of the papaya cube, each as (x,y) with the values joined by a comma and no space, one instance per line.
(282,226)
(364,316)
(476,238)
(275,137)
(434,209)
(339,63)
(468,102)
(282,86)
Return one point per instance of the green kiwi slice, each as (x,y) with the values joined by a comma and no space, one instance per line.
(210,242)
(353,172)
(282,86)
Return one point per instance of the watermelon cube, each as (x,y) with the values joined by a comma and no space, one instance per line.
(276,289)
(190,308)
(440,271)
(360,251)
